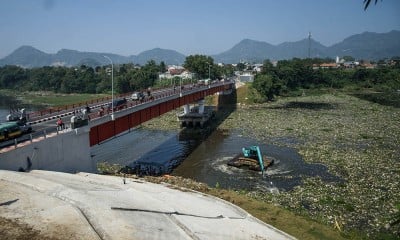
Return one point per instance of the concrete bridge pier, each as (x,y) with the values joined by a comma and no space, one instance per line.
(196,116)
(201,106)
(200,109)
(186,108)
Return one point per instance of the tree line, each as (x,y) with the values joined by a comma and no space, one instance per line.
(286,77)
(291,75)
(85,79)
(82,79)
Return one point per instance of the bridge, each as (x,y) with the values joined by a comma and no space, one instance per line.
(103,129)
(68,150)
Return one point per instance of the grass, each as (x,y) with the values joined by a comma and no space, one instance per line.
(63,99)
(50,98)
(243,94)
(298,226)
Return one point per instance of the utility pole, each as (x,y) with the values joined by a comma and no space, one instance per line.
(209,72)
(309,44)
(112,87)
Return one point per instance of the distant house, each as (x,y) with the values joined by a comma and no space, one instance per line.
(176,71)
(171,72)
(257,67)
(368,65)
(350,64)
(325,66)
(394,62)
(328,65)
(165,75)
(187,75)
(246,77)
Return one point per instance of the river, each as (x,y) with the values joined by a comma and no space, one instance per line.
(205,160)
(200,157)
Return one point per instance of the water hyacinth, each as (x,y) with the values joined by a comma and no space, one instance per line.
(357,140)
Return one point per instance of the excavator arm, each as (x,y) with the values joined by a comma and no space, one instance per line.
(255,153)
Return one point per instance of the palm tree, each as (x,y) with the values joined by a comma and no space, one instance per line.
(367,2)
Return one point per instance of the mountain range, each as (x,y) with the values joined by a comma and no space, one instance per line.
(367,45)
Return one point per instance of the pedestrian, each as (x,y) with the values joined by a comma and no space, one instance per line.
(101,111)
(60,124)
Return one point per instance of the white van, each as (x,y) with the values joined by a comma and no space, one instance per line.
(137,96)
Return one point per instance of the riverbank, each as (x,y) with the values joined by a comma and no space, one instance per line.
(290,222)
(356,139)
(108,207)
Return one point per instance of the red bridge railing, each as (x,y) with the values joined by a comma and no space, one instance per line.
(110,129)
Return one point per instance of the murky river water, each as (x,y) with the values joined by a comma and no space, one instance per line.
(205,160)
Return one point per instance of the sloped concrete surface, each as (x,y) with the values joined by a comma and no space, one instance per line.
(90,206)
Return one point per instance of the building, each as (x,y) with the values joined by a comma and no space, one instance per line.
(173,71)
(176,71)
(245,77)
(326,66)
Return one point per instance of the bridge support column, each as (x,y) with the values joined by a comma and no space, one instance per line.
(186,109)
(201,106)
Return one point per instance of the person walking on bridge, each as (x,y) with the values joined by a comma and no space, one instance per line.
(60,124)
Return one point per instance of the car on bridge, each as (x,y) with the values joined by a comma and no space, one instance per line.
(118,104)
(137,96)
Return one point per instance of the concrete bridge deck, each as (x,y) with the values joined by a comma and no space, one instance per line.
(90,206)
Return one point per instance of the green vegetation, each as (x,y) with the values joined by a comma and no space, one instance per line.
(289,77)
(204,67)
(50,98)
(286,79)
(83,79)
(356,139)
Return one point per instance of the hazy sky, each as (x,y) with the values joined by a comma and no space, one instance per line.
(128,27)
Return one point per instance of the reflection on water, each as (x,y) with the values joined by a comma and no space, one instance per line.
(130,147)
(205,160)
(145,151)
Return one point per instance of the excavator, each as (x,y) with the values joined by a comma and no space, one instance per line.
(251,158)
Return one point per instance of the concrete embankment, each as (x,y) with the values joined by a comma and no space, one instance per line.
(90,206)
